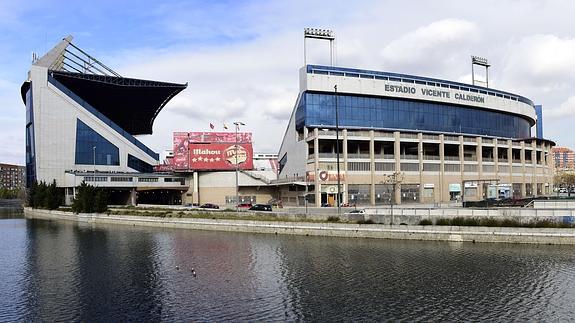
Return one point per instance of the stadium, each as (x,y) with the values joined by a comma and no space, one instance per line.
(409,139)
(355,136)
(82,119)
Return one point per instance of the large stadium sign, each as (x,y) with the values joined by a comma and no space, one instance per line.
(212,151)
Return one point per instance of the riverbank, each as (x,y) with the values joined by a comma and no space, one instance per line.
(349,230)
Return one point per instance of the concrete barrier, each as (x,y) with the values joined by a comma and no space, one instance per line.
(406,232)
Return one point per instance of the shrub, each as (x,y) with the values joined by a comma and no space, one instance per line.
(90,199)
(425,222)
(44,196)
(510,223)
(443,221)
(333,218)
(489,222)
(368,221)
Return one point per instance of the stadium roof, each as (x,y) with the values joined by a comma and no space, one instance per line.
(132,104)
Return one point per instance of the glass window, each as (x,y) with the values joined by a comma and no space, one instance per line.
(388,113)
(93,149)
(30,145)
(139,165)
(359,194)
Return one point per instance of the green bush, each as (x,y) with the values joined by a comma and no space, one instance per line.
(425,222)
(333,218)
(443,221)
(45,196)
(6,193)
(90,199)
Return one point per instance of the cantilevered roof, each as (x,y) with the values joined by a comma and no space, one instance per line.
(132,104)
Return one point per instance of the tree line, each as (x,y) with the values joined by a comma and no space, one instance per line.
(88,199)
(7,193)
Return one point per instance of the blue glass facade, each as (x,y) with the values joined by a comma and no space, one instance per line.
(539,127)
(318,110)
(139,165)
(30,142)
(105,153)
(102,117)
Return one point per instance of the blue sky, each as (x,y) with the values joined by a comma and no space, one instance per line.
(241,58)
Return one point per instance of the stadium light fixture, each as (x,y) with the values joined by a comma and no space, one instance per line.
(322,34)
(476,60)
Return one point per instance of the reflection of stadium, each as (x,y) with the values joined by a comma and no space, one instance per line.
(409,139)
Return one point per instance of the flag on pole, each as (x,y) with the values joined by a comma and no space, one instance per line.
(225,126)
(211,126)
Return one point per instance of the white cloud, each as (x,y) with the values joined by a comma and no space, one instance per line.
(565,110)
(225,85)
(431,47)
(545,61)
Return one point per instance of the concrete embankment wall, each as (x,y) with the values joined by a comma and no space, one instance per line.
(523,215)
(405,232)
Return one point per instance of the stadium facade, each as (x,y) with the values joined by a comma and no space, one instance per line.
(82,119)
(405,138)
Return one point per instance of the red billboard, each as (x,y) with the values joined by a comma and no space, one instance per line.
(220,156)
(212,151)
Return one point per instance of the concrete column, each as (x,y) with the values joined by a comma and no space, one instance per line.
(495,158)
(462,168)
(133,197)
(510,160)
(420,158)
(344,168)
(479,153)
(372,166)
(523,190)
(442,184)
(550,167)
(534,177)
(317,184)
(396,152)
(196,188)
(461,159)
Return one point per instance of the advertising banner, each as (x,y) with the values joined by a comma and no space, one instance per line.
(180,160)
(218,156)
(211,150)
(325,176)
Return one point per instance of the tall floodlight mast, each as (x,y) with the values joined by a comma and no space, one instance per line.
(316,33)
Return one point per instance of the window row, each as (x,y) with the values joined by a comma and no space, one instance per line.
(317,109)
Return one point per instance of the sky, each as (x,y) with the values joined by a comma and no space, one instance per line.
(241,59)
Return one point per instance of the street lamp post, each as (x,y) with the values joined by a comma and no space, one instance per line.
(237,124)
(337,151)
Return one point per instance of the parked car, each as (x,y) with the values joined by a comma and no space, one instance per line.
(325,205)
(245,205)
(562,190)
(362,211)
(261,207)
(209,206)
(192,205)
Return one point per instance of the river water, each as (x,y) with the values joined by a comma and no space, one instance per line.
(60,271)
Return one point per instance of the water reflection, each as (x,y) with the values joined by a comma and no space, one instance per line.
(59,271)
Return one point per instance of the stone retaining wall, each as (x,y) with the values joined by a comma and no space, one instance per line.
(407,232)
